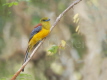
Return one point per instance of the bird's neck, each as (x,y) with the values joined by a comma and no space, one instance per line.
(46,25)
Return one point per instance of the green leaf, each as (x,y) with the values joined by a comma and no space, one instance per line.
(11,4)
(3,79)
(5,4)
(53,49)
(15,3)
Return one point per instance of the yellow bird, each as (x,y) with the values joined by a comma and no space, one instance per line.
(39,32)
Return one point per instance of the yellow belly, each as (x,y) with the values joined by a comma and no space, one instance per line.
(39,36)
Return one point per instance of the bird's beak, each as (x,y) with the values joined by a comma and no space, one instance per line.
(47,20)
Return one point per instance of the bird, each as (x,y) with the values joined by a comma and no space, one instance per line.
(39,32)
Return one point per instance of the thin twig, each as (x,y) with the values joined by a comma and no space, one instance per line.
(34,51)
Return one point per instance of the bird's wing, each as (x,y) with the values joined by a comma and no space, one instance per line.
(35,31)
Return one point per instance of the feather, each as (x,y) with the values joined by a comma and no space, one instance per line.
(35,31)
(26,56)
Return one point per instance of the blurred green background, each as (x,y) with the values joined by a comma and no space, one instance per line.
(83,31)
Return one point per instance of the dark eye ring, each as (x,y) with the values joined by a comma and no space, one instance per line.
(43,20)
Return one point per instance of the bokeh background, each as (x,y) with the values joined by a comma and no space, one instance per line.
(84,57)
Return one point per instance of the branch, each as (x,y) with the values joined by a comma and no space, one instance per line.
(34,51)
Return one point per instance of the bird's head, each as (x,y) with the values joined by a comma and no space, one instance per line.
(45,19)
(45,23)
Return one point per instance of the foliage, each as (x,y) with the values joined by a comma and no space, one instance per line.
(20,77)
(76,20)
(54,48)
(11,4)
(24,77)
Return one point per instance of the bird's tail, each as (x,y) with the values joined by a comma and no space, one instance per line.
(26,56)
(27,52)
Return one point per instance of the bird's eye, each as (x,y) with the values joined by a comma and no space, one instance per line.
(43,20)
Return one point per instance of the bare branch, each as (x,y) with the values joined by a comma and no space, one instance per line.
(34,51)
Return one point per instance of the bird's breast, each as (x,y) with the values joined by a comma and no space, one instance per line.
(41,34)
